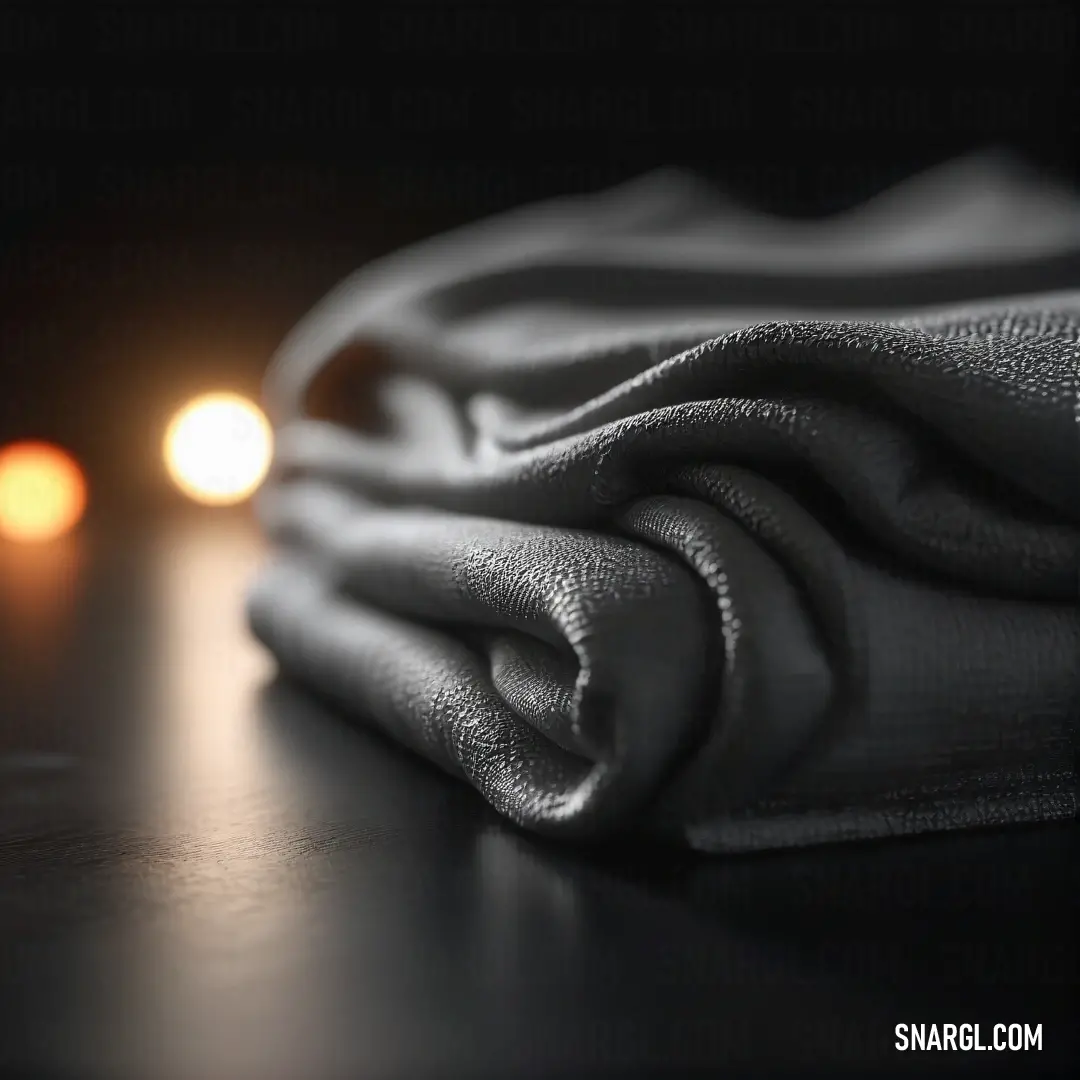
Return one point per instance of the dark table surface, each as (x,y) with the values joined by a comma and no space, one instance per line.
(205,874)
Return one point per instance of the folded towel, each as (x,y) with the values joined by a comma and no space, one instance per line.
(642,511)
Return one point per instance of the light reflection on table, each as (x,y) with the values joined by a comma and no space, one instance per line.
(39,583)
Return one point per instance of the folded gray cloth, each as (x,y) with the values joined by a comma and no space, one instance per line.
(642,511)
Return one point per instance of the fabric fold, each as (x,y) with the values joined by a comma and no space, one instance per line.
(618,510)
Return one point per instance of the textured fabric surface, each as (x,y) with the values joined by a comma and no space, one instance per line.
(639,510)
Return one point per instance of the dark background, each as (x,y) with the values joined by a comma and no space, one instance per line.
(178,184)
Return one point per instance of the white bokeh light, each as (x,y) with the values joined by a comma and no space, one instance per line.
(218,448)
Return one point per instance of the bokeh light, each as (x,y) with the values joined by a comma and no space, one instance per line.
(217,449)
(42,491)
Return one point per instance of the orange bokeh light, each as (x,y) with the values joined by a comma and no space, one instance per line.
(42,491)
